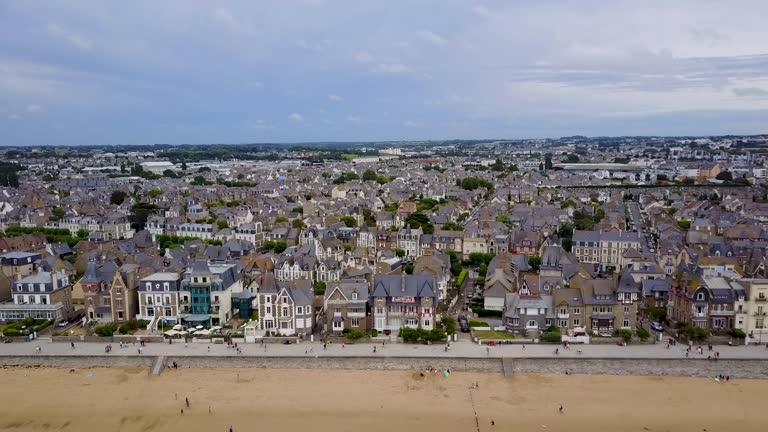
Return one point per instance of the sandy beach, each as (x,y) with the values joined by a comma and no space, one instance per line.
(129,399)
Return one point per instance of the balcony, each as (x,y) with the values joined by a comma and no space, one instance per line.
(563,316)
(759,314)
(761,299)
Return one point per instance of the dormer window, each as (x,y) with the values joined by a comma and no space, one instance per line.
(354,296)
(700,296)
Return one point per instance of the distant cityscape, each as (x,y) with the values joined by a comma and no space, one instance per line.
(547,240)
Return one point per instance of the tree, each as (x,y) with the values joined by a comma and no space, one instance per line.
(82,233)
(642,334)
(420,220)
(140,212)
(548,161)
(222,224)
(319,287)
(154,193)
(535,262)
(625,334)
(456,268)
(399,252)
(169,173)
(369,175)
(298,223)
(684,225)
(408,269)
(453,226)
(725,176)
(658,314)
(325,174)
(57,213)
(281,219)
(183,166)
(118,197)
(280,246)
(348,247)
(349,221)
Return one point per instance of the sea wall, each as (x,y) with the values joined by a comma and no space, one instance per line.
(509,366)
(648,367)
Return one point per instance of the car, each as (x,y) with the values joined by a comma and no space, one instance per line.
(657,327)
(63,324)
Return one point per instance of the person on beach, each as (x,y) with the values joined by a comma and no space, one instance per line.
(186,401)
(561,408)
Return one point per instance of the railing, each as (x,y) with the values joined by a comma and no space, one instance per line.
(563,316)
(761,299)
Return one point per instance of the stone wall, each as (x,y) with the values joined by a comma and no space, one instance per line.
(76,361)
(653,367)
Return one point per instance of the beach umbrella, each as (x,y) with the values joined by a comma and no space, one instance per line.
(177,327)
(199,327)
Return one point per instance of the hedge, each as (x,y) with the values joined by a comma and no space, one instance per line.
(473,323)
(551,337)
(460,279)
(486,313)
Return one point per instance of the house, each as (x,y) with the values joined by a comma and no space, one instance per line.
(160,298)
(439,267)
(211,287)
(19,263)
(604,248)
(523,314)
(344,306)
(40,295)
(408,239)
(285,308)
(403,301)
(751,309)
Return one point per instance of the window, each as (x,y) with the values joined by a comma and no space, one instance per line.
(427,323)
(166,286)
(354,296)
(355,322)
(548,322)
(515,321)
(576,311)
(626,323)
(150,311)
(285,311)
(576,322)
(563,323)
(626,309)
(700,296)
(563,311)
(531,324)
(268,310)
(379,311)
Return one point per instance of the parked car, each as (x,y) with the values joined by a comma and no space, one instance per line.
(657,327)
(63,323)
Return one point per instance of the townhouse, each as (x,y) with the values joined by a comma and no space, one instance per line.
(286,308)
(403,300)
(604,248)
(211,287)
(345,306)
(40,295)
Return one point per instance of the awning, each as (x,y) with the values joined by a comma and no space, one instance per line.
(197,318)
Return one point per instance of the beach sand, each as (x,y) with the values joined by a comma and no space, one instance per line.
(129,399)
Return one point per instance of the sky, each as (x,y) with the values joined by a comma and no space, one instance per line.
(78,72)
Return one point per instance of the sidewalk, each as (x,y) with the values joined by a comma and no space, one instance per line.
(461,349)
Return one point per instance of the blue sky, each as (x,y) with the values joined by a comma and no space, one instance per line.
(188,71)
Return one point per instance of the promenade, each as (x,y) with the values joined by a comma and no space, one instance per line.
(460,349)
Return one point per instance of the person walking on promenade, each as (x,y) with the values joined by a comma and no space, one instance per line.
(523,347)
(73,345)
(186,401)
(374,349)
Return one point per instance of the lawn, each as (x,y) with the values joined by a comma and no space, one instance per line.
(492,334)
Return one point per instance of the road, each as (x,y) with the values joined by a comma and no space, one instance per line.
(462,348)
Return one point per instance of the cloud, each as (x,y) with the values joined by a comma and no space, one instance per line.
(14,117)
(353,118)
(261,124)
(391,68)
(296,118)
(74,39)
(335,98)
(33,108)
(363,57)
(430,37)
(480,10)
(750,92)
(410,124)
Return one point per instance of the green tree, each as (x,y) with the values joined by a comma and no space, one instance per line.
(408,269)
(625,334)
(118,197)
(169,173)
(399,252)
(725,176)
(548,161)
(222,224)
(140,212)
(319,287)
(298,223)
(280,246)
(348,247)
(82,233)
(154,193)
(58,213)
(642,334)
(349,221)
(535,262)
(453,226)
(369,175)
